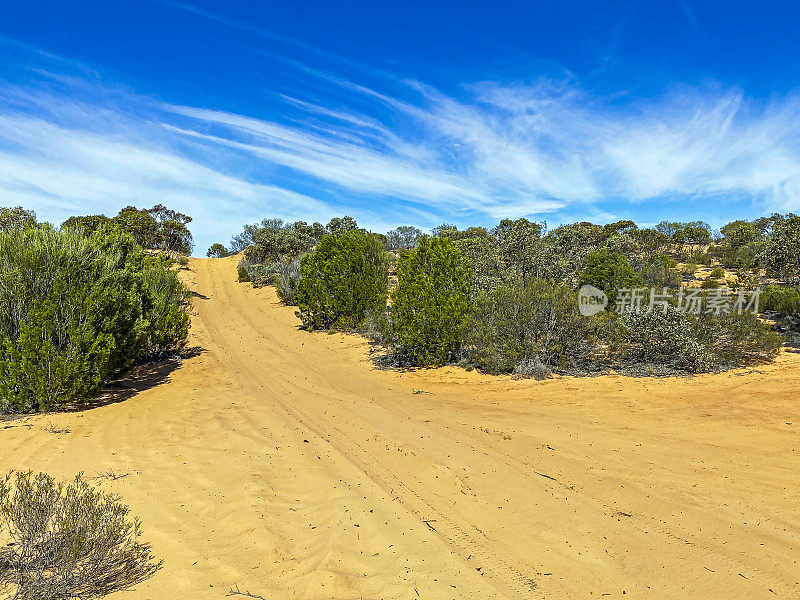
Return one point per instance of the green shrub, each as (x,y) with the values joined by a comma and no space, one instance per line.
(518,322)
(343,278)
(689,269)
(658,271)
(67,541)
(780,299)
(718,272)
(431,301)
(700,258)
(736,340)
(710,284)
(241,272)
(664,338)
(609,272)
(75,310)
(695,344)
(165,302)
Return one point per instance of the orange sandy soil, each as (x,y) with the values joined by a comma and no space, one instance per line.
(283,463)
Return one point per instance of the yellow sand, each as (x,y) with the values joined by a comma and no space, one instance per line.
(283,463)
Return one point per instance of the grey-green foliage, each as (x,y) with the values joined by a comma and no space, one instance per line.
(404,237)
(664,338)
(695,344)
(67,540)
(287,276)
(529,320)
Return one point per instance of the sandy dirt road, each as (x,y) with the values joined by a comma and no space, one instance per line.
(283,463)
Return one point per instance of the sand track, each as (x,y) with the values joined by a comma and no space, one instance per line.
(282,462)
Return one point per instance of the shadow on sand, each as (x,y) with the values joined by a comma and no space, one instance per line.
(140,378)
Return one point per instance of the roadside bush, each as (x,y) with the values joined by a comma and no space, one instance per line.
(532,368)
(710,284)
(517,322)
(67,541)
(431,301)
(737,340)
(718,272)
(241,272)
(780,299)
(695,344)
(286,281)
(664,338)
(75,310)
(343,278)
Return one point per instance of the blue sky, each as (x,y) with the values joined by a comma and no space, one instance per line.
(401,112)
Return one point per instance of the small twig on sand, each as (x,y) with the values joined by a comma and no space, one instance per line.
(110,474)
(235,591)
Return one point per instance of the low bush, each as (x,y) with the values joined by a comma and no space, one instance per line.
(65,541)
(784,300)
(517,323)
(532,368)
(341,280)
(658,271)
(695,344)
(737,340)
(710,284)
(286,281)
(431,301)
(718,272)
(663,338)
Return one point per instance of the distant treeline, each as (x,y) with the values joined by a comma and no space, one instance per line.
(85,302)
(505,299)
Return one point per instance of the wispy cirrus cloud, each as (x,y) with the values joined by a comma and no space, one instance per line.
(75,143)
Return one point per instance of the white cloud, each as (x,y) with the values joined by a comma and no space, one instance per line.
(501,150)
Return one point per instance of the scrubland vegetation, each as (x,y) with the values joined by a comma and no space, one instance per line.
(67,540)
(504,300)
(85,302)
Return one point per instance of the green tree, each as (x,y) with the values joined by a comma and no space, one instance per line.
(217,250)
(342,280)
(87,225)
(781,252)
(341,225)
(404,237)
(740,233)
(16,218)
(431,301)
(609,272)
